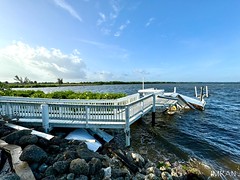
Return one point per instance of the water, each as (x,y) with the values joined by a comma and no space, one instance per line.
(212,136)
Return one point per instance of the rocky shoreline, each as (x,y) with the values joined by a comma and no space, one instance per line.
(71,160)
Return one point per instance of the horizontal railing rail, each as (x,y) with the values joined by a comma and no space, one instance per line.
(120,101)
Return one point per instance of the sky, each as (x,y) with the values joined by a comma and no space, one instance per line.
(120,40)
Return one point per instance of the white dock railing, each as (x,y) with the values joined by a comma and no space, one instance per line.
(120,113)
(120,101)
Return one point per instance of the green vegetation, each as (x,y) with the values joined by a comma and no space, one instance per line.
(61,94)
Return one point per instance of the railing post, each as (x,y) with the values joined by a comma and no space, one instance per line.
(153,110)
(127,126)
(8,111)
(87,115)
(45,117)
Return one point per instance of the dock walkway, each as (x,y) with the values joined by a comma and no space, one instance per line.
(50,113)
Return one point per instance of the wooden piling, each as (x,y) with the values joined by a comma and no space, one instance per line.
(127,127)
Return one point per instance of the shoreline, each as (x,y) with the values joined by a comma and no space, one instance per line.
(113,156)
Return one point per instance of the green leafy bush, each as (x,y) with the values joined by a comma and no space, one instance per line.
(61,94)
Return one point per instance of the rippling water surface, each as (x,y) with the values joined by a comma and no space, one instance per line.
(212,136)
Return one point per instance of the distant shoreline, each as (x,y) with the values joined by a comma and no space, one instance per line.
(98,83)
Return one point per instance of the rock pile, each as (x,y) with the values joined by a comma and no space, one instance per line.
(71,160)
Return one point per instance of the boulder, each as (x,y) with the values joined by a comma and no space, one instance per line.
(50,171)
(43,143)
(61,166)
(5,131)
(166,176)
(120,173)
(70,176)
(152,177)
(14,137)
(94,166)
(33,153)
(153,170)
(42,168)
(88,155)
(51,177)
(54,149)
(27,140)
(79,166)
(70,154)
(82,177)
(139,176)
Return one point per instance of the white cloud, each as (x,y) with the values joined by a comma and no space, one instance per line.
(121,28)
(107,20)
(115,9)
(101,19)
(68,8)
(40,63)
(150,20)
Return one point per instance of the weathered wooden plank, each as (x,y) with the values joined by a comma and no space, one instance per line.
(37,133)
(21,168)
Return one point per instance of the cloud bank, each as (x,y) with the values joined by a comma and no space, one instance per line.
(40,64)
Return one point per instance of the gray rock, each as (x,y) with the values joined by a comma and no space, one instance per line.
(54,148)
(115,162)
(51,177)
(82,177)
(152,176)
(70,176)
(4,131)
(88,155)
(50,171)
(139,176)
(33,153)
(149,164)
(120,173)
(94,166)
(79,166)
(42,168)
(10,176)
(153,170)
(70,155)
(27,140)
(99,175)
(34,166)
(63,177)
(14,137)
(61,166)
(166,176)
(43,143)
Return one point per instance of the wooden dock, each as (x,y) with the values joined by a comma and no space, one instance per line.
(50,113)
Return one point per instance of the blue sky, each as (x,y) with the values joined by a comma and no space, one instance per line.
(107,40)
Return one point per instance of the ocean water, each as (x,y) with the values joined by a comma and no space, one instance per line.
(212,135)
